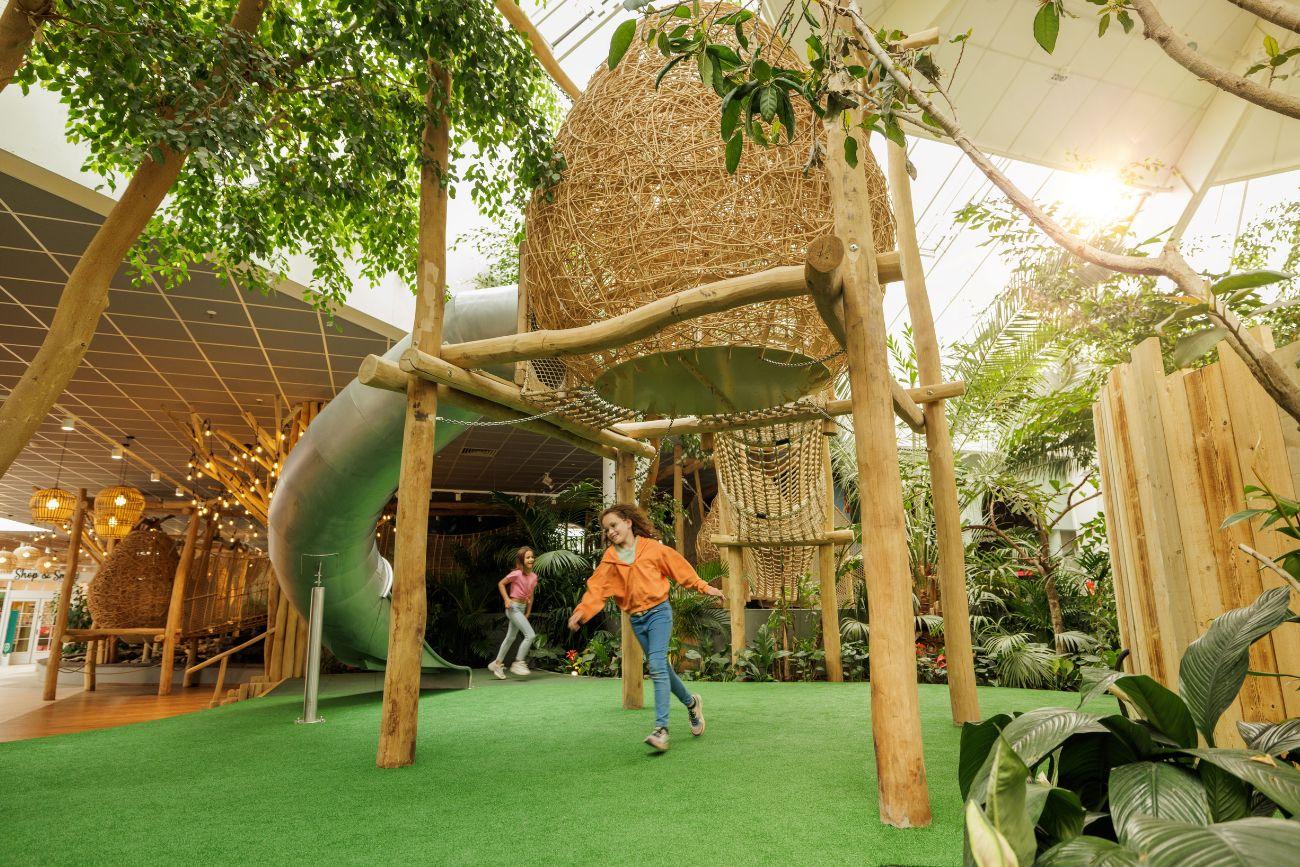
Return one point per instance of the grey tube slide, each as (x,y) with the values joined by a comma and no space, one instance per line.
(337,481)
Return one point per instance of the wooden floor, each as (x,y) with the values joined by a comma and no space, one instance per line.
(108,706)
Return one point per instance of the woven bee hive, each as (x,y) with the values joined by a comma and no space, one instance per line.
(647,208)
(133,589)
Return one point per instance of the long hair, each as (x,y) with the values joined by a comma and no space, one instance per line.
(641,525)
(519,558)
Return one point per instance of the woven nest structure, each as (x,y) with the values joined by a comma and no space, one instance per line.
(133,589)
(647,208)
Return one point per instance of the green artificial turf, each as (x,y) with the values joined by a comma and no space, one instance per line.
(548,770)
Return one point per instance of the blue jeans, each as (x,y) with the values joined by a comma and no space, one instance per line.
(652,629)
(518,623)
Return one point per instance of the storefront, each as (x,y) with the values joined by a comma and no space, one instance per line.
(26,618)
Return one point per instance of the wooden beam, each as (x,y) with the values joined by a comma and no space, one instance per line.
(497,390)
(788,281)
(692,424)
(943,478)
(519,20)
(172,632)
(633,664)
(151,633)
(828,593)
(65,600)
(833,537)
(407,614)
(904,799)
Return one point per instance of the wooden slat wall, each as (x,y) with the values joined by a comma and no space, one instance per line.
(1175,453)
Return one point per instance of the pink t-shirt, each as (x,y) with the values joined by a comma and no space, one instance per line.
(521,585)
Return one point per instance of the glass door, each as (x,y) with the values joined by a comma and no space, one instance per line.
(22,617)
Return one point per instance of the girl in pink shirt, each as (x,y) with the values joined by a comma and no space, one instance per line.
(517,593)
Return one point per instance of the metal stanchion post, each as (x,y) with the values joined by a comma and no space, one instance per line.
(315,617)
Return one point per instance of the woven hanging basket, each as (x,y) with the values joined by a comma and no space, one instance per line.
(6,560)
(117,509)
(647,208)
(25,557)
(134,586)
(52,505)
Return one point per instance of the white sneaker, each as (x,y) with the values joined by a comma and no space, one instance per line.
(497,669)
(520,668)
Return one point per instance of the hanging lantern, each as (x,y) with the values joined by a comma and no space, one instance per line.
(6,559)
(116,510)
(47,564)
(25,556)
(52,505)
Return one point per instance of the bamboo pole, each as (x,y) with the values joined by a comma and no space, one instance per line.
(943,476)
(519,20)
(172,631)
(895,705)
(679,512)
(633,656)
(829,595)
(65,600)
(407,610)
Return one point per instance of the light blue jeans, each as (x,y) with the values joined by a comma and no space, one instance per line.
(518,624)
(652,629)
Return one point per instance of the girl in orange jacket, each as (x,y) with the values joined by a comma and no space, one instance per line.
(635,571)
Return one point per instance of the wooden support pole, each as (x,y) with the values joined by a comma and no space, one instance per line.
(633,656)
(65,600)
(88,672)
(407,611)
(679,510)
(904,799)
(786,281)
(938,441)
(191,657)
(172,632)
(485,385)
(830,601)
(519,20)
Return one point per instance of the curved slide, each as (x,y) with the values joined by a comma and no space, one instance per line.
(337,481)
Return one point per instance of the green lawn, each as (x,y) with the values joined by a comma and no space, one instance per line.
(549,770)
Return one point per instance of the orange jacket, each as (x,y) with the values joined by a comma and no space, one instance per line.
(639,585)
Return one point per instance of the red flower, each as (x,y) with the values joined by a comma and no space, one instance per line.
(1091,586)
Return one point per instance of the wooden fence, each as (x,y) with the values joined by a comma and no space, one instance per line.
(1176,452)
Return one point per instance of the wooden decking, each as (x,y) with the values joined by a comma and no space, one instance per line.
(108,706)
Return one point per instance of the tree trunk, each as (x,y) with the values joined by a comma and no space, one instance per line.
(85,295)
(1054,608)
(18,25)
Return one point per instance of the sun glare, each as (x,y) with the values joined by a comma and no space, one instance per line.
(1094,197)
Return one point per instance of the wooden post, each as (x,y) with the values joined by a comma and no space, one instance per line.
(633,656)
(733,586)
(904,799)
(679,511)
(943,478)
(830,600)
(191,657)
(65,601)
(172,631)
(92,650)
(407,611)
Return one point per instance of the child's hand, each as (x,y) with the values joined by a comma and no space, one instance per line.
(574,622)
(714,591)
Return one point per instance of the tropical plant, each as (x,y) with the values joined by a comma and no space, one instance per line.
(1140,785)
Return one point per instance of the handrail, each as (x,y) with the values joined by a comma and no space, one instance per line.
(223,654)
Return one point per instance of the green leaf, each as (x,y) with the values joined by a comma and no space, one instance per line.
(785,111)
(1248,280)
(731,105)
(977,740)
(621,41)
(682,11)
(1005,805)
(1225,793)
(1125,20)
(1243,515)
(1035,734)
(769,98)
(1137,734)
(1214,666)
(894,133)
(1160,707)
(988,848)
(705,64)
(1061,814)
(1245,841)
(851,151)
(734,146)
(1156,789)
(1047,24)
(1275,778)
(1088,852)
(1276,739)
(1192,346)
(1103,25)
(668,68)
(1271,47)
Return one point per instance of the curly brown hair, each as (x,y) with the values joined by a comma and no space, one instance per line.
(633,514)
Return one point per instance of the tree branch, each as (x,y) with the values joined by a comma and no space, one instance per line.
(1281,13)
(1158,30)
(18,25)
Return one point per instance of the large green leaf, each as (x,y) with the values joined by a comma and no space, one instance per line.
(1225,793)
(1085,763)
(977,740)
(1035,734)
(985,846)
(1088,852)
(1245,841)
(1047,25)
(1157,704)
(1139,735)
(1248,280)
(1156,789)
(1274,778)
(1057,812)
(1005,805)
(1214,666)
(621,41)
(1276,739)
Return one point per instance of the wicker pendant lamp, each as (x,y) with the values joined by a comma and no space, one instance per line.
(6,559)
(117,509)
(53,505)
(25,556)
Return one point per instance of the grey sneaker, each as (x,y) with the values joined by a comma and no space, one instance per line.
(497,669)
(696,715)
(658,738)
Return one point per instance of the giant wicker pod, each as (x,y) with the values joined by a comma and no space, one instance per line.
(647,208)
(134,586)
